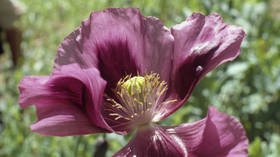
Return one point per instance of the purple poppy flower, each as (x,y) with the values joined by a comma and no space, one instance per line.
(120,71)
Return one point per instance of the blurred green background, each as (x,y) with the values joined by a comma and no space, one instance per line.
(248,88)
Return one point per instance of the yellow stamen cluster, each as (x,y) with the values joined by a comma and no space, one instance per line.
(137,98)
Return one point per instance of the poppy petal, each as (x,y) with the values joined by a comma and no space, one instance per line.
(119,42)
(70,94)
(201,44)
(63,120)
(217,135)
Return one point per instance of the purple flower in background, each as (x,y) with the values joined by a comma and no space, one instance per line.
(121,71)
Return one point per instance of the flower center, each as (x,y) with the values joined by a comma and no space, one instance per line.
(138,99)
(133,85)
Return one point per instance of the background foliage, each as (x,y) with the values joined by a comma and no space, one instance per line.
(248,88)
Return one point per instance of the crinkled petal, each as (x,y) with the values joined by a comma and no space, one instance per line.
(201,44)
(119,42)
(71,96)
(153,142)
(217,135)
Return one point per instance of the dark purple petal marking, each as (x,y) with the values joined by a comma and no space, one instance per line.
(115,62)
(189,73)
